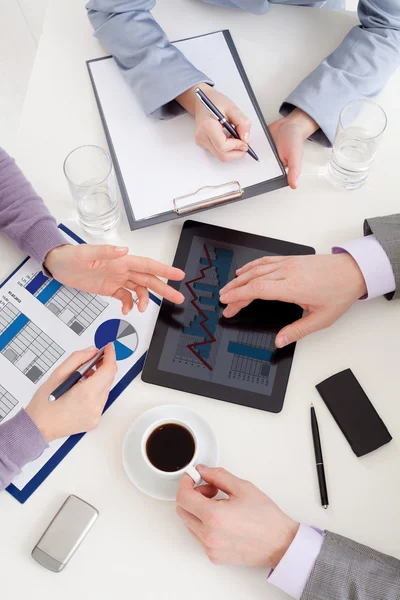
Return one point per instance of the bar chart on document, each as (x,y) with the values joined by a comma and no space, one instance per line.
(77,309)
(25,345)
(205,348)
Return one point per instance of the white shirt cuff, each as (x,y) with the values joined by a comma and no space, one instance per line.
(293,571)
(374,264)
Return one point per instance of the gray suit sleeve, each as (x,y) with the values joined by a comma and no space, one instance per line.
(358,68)
(346,570)
(387,232)
(154,68)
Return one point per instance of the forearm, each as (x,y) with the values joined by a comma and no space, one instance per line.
(346,570)
(20,443)
(155,69)
(358,68)
(23,215)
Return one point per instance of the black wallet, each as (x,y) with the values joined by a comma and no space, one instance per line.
(353,412)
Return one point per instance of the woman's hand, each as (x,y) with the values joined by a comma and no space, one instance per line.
(111,271)
(209,133)
(80,409)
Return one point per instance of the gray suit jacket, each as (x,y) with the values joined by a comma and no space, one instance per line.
(345,570)
(158,72)
(387,232)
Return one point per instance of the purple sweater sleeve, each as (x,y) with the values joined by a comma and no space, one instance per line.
(27,222)
(23,216)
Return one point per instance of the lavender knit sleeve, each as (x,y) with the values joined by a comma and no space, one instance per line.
(27,222)
(23,216)
(20,443)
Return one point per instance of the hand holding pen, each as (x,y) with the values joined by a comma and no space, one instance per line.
(209,134)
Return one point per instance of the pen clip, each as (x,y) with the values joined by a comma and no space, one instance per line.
(200,99)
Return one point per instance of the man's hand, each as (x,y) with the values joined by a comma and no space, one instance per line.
(110,271)
(324,286)
(80,409)
(247,529)
(208,131)
(289,135)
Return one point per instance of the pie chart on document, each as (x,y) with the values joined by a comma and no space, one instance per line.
(121,333)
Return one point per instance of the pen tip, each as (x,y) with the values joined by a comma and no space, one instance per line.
(312,405)
(325,506)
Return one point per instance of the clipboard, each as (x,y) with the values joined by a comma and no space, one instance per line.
(41,475)
(200,197)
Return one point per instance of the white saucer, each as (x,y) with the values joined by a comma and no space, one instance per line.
(135,466)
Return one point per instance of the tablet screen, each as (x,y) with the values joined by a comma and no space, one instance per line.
(196,349)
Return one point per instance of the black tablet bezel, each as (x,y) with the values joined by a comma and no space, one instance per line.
(152,374)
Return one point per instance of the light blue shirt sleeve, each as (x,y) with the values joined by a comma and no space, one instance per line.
(358,68)
(156,70)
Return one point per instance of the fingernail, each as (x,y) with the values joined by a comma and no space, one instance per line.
(201,468)
(120,248)
(246,136)
(91,348)
(281,341)
(222,290)
(243,147)
(223,298)
(239,270)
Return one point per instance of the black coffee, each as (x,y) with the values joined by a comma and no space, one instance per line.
(170,447)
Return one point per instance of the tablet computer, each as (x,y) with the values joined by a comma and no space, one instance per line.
(197,350)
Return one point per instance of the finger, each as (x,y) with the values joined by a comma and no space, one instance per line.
(295,158)
(103,378)
(264,260)
(142,295)
(140,264)
(125,297)
(190,521)
(232,309)
(299,329)
(258,288)
(241,122)
(261,270)
(208,491)
(96,254)
(188,499)
(196,537)
(219,141)
(157,286)
(221,479)
(73,362)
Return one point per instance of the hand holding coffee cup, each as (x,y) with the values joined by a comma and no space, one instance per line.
(170,447)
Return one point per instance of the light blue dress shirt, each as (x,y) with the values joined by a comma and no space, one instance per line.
(158,72)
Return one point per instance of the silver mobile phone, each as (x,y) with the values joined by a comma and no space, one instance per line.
(65,534)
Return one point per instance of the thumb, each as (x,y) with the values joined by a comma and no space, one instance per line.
(221,479)
(295,158)
(299,329)
(73,362)
(103,252)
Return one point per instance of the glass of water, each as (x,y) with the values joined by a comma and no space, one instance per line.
(91,179)
(360,128)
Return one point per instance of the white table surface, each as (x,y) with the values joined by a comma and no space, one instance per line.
(139,548)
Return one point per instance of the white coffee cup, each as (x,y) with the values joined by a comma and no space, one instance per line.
(189,469)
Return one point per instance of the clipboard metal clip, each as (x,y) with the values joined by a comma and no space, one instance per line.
(207,197)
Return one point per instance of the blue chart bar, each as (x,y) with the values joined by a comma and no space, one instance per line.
(12,330)
(249,351)
(214,301)
(49,291)
(36,283)
(223,263)
(205,287)
(194,329)
(221,252)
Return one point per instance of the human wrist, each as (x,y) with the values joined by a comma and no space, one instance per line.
(287,534)
(306,123)
(51,258)
(352,275)
(188,99)
(40,421)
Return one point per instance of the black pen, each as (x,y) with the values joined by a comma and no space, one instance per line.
(76,376)
(318,459)
(210,106)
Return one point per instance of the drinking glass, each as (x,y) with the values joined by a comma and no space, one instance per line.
(90,175)
(359,132)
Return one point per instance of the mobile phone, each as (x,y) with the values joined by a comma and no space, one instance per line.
(65,534)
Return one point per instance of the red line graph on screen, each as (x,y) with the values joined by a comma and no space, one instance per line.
(212,339)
